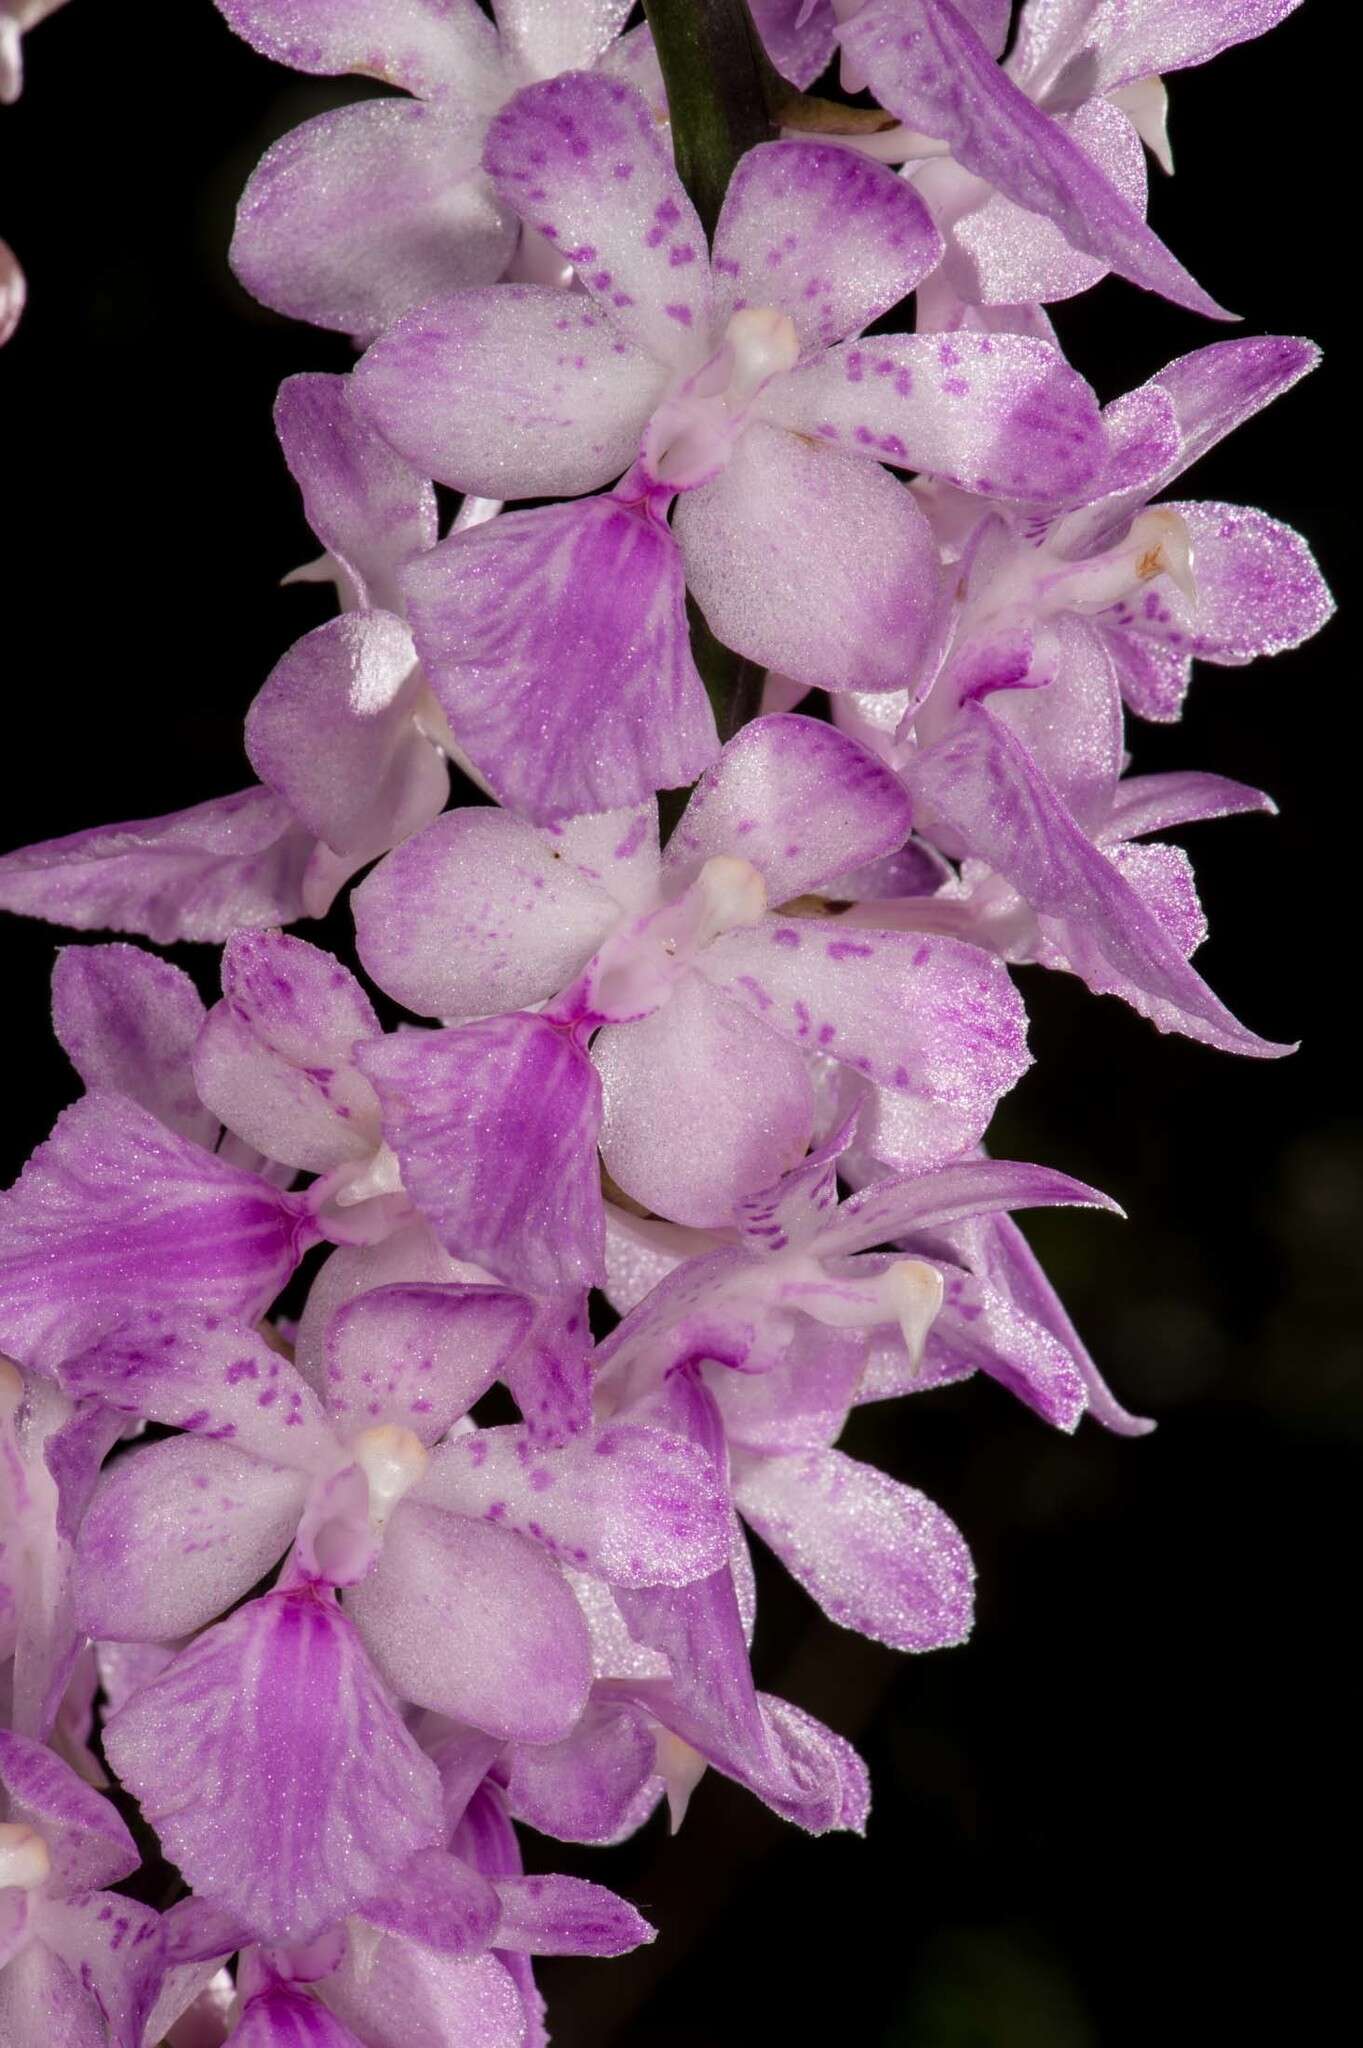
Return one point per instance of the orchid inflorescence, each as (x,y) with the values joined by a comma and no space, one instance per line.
(717,1067)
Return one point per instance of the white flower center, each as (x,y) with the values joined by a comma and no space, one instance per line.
(25,1862)
(691,435)
(636,970)
(392,1460)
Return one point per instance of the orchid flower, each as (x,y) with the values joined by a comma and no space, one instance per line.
(731,386)
(360,214)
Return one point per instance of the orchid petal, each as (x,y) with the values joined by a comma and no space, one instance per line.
(89,1846)
(422,45)
(408,1253)
(115,1217)
(888,1210)
(878,1556)
(475,1622)
(821,234)
(635,1506)
(798,36)
(700,1105)
(478,913)
(127,1021)
(584,1788)
(176,1532)
(284,2018)
(419,1357)
(551,401)
(808,561)
(357,216)
(1258,588)
(413,1997)
(112,1944)
(332,732)
(282,1694)
(925,63)
(275,1059)
(495,1125)
(581,160)
(567,1916)
(368,507)
(994,413)
(798,800)
(196,874)
(437,1899)
(568,621)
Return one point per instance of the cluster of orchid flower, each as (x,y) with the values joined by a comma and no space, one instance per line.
(338,1634)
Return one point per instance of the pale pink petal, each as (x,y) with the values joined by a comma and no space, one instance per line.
(798,800)
(359,215)
(13,292)
(1155,803)
(567,1916)
(798,36)
(207,1375)
(568,622)
(410,1996)
(495,1125)
(439,1900)
(931,1019)
(112,1944)
(515,391)
(281,1694)
(822,234)
(547,40)
(423,45)
(42,2000)
(115,1217)
(994,413)
(196,874)
(332,731)
(419,1357)
(478,913)
(477,1623)
(582,161)
(88,1844)
(127,1021)
(635,1506)
(888,1210)
(176,1532)
(284,2018)
(878,1556)
(1258,588)
(583,1788)
(701,1104)
(812,562)
(925,63)
(275,1058)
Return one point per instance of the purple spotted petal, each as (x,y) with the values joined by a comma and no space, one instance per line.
(584,1788)
(925,63)
(1111,47)
(567,1916)
(332,732)
(368,507)
(482,912)
(417,1356)
(127,1021)
(196,874)
(422,45)
(701,1104)
(994,413)
(568,623)
(822,234)
(89,1845)
(582,161)
(115,1217)
(218,1380)
(275,1059)
(495,1125)
(475,1622)
(798,800)
(280,1694)
(111,1944)
(809,561)
(359,215)
(878,1556)
(635,1506)
(988,788)
(933,1020)
(42,1999)
(176,1532)
(1258,587)
(439,1900)
(516,391)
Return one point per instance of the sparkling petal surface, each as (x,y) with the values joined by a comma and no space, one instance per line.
(127,1021)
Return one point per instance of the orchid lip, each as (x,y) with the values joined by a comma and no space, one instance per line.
(691,435)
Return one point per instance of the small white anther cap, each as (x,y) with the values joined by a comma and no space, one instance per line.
(392,1459)
(24,1859)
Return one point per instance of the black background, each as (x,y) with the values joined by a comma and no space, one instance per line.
(1116,1815)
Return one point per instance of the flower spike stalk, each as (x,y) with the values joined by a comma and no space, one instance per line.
(798,637)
